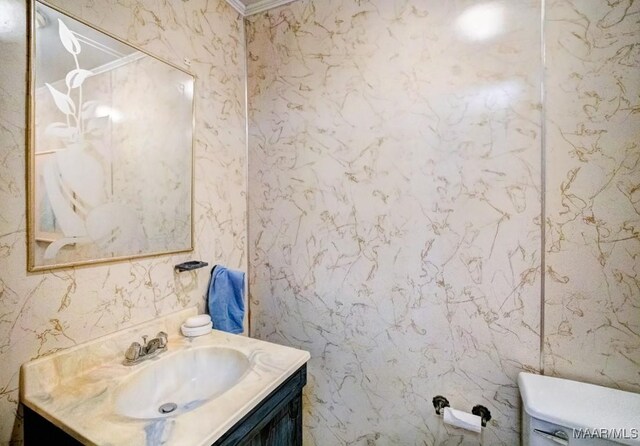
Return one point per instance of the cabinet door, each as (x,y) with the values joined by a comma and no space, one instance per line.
(276,421)
(285,429)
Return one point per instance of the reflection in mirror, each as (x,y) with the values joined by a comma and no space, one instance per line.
(111,147)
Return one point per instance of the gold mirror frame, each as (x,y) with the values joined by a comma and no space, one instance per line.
(31,149)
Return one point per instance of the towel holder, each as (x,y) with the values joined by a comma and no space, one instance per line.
(189,266)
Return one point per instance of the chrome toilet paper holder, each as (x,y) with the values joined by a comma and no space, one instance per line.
(440,402)
(483,413)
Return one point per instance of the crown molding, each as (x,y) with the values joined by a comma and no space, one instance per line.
(258,7)
(264,5)
(238,6)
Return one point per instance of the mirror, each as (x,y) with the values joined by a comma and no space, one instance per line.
(111,147)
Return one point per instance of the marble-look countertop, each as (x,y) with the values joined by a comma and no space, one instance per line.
(75,388)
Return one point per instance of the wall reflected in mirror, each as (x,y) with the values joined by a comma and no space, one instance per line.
(111,140)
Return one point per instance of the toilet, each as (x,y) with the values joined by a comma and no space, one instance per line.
(559,411)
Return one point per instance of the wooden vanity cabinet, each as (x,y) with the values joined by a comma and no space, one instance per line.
(276,421)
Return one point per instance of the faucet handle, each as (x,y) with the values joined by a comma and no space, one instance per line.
(133,352)
(144,340)
(163,337)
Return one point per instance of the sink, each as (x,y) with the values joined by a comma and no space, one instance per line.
(180,382)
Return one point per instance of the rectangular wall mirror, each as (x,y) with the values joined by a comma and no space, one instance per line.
(110,162)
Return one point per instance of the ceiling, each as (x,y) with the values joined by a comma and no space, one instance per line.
(249,7)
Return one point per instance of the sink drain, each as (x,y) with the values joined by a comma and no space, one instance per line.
(167,408)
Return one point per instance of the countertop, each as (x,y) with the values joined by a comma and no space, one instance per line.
(75,388)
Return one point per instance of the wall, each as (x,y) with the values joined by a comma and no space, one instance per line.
(592,311)
(44,312)
(395,203)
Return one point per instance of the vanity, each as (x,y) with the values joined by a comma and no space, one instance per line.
(216,389)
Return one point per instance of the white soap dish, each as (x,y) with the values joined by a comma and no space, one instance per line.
(192,332)
(198,321)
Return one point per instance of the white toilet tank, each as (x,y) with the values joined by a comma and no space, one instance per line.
(558,411)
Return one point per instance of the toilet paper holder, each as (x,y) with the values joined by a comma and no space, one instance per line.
(440,402)
(483,413)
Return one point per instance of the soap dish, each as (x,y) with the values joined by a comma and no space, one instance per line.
(198,321)
(192,332)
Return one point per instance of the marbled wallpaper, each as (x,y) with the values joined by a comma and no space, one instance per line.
(592,292)
(44,312)
(395,203)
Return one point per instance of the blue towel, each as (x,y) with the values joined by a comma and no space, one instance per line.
(226,299)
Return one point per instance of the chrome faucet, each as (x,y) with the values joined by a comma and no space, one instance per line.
(137,353)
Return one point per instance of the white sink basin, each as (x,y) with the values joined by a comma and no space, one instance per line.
(180,382)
